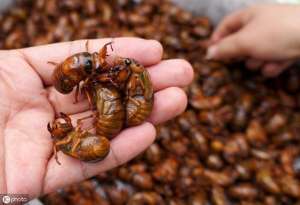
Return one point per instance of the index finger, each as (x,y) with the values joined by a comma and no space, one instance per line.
(147,52)
(230,24)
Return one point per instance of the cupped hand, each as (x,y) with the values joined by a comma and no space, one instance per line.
(267,35)
(29,102)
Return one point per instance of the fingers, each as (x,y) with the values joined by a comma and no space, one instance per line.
(168,73)
(123,148)
(228,48)
(226,38)
(147,52)
(230,24)
(274,69)
(168,104)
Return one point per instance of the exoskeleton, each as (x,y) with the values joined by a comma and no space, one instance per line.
(132,79)
(110,112)
(77,143)
(138,89)
(77,68)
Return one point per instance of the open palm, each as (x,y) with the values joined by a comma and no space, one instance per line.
(29,102)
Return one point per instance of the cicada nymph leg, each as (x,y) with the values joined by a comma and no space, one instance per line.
(106,78)
(50,129)
(81,133)
(59,143)
(103,55)
(76,94)
(79,123)
(86,89)
(52,63)
(87,46)
(55,154)
(132,85)
(66,118)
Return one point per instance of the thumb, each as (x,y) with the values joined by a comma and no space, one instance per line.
(228,48)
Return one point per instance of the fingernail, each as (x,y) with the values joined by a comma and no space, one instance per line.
(211,53)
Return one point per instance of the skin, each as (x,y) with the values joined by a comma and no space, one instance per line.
(29,102)
(267,35)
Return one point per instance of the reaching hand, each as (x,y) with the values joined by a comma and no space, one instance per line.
(268,35)
(29,102)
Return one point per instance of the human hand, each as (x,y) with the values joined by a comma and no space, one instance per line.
(268,35)
(29,102)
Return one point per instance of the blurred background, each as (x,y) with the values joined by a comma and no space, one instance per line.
(214,9)
(237,142)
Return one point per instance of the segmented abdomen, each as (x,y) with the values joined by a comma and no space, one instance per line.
(138,110)
(93,149)
(110,111)
(140,100)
